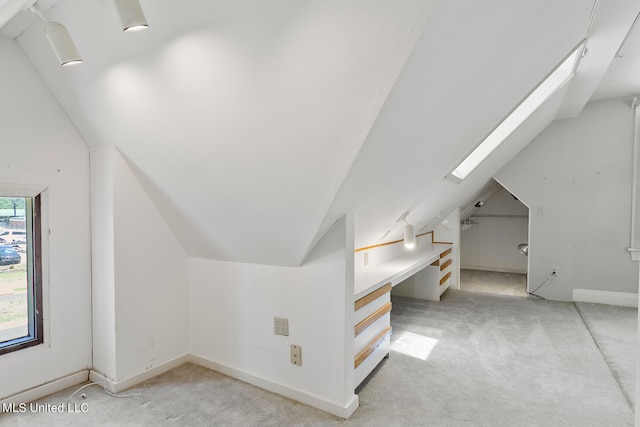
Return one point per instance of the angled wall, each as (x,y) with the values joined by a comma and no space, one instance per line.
(41,147)
(231,319)
(576,177)
(140,283)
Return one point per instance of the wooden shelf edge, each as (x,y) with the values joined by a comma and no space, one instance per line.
(445,253)
(369,320)
(445,278)
(372,296)
(371,347)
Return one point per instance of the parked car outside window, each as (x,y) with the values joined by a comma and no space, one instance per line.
(9,256)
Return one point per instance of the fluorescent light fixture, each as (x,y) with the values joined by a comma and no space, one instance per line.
(409,237)
(554,81)
(131,15)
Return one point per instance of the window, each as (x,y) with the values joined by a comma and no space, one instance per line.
(554,81)
(21,322)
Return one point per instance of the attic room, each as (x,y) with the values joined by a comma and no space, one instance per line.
(212,197)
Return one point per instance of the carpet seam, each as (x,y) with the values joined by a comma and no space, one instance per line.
(615,376)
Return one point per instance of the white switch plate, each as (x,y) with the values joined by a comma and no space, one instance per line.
(281,326)
(296,354)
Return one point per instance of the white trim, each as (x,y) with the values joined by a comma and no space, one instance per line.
(45,251)
(21,190)
(635,254)
(635,183)
(343,411)
(47,388)
(496,270)
(118,386)
(622,299)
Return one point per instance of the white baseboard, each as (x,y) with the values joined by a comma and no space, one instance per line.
(47,389)
(317,402)
(118,386)
(497,270)
(343,411)
(622,299)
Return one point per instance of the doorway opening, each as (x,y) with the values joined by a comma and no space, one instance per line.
(494,240)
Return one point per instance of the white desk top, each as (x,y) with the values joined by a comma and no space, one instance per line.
(396,269)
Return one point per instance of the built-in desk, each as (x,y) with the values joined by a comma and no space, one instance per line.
(397,269)
(372,304)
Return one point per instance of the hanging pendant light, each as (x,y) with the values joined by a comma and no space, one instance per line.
(409,237)
(62,44)
(131,15)
(59,39)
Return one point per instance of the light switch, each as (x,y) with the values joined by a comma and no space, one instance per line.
(281,326)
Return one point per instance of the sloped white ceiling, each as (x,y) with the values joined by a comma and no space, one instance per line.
(241,117)
(255,125)
(473,64)
(622,77)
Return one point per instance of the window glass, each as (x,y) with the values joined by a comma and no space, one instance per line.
(20,276)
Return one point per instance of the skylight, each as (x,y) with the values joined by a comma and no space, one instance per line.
(554,81)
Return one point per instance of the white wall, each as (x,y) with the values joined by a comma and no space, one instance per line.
(40,147)
(140,320)
(381,254)
(103,262)
(576,177)
(493,244)
(449,231)
(151,280)
(231,311)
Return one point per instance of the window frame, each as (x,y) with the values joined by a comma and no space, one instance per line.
(35,296)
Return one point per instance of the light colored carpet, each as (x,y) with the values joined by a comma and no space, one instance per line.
(614,329)
(493,282)
(470,360)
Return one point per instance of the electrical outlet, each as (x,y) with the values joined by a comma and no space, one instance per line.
(296,354)
(281,326)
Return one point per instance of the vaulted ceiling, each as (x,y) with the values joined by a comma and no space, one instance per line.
(255,125)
